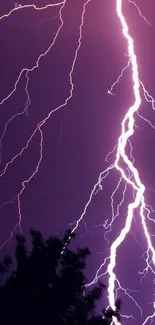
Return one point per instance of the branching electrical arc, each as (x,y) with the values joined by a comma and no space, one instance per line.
(123,164)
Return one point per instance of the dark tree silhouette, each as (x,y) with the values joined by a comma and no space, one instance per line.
(48,286)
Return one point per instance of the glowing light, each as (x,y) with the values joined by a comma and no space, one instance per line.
(123,165)
(42,123)
(110,91)
(41,55)
(142,16)
(127,132)
(150,317)
(21,7)
(129,173)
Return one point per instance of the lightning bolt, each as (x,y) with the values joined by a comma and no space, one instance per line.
(21,7)
(43,122)
(29,70)
(139,11)
(137,185)
(123,165)
(150,317)
(42,54)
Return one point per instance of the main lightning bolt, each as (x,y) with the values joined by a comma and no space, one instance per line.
(124,163)
(138,186)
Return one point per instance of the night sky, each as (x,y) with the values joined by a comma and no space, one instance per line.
(79,135)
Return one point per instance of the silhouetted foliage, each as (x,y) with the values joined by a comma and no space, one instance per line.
(48,286)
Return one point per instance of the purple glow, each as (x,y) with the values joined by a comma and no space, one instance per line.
(126,237)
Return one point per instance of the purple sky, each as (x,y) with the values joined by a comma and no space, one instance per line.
(78,137)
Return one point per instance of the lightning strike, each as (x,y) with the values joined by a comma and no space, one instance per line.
(126,133)
(133,179)
(43,122)
(139,11)
(108,226)
(148,97)
(128,293)
(150,317)
(28,70)
(110,91)
(22,7)
(124,163)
